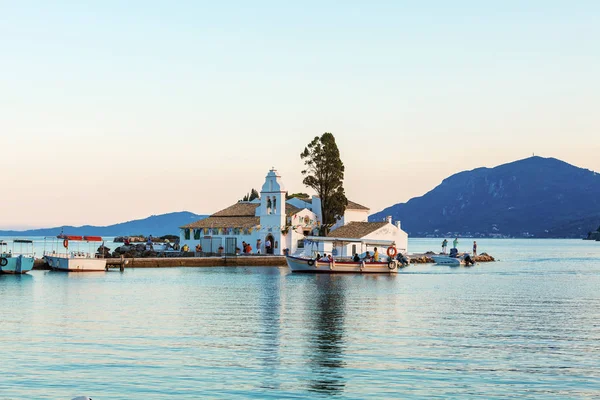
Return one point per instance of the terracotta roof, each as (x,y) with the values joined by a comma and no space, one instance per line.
(356,230)
(355,206)
(238,210)
(224,222)
(291,210)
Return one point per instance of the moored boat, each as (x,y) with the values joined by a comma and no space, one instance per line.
(75,259)
(443,259)
(301,264)
(16,261)
(453,259)
(310,260)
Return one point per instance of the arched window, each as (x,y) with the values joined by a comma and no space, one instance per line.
(268,204)
(274,205)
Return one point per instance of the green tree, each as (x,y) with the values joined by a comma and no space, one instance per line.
(298,195)
(251,196)
(325,174)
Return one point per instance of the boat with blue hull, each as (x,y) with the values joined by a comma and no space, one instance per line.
(15,260)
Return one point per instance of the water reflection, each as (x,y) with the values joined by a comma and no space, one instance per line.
(270,304)
(325,347)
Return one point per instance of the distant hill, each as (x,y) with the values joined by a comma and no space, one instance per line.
(155,225)
(540,197)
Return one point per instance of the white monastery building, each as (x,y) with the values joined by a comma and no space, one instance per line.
(284,224)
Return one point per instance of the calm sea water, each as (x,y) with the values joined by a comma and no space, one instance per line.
(526,326)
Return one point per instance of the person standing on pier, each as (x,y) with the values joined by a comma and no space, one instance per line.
(444,246)
(455,243)
(474,248)
(268,246)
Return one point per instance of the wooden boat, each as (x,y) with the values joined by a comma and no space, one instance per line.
(75,260)
(342,262)
(301,264)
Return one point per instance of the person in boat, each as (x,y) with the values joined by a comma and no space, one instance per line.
(330,258)
(185,248)
(244,247)
(474,248)
(356,258)
(198,248)
(367,257)
(376,255)
(318,257)
(324,258)
(455,243)
(444,246)
(248,248)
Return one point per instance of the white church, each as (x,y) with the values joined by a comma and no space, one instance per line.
(285,224)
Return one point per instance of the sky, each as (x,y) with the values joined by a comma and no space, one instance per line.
(113,111)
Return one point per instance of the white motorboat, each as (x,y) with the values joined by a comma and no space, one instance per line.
(16,261)
(444,259)
(453,259)
(76,259)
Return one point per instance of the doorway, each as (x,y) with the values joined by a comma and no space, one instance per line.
(269,244)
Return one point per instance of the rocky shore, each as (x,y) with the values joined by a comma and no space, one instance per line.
(426,258)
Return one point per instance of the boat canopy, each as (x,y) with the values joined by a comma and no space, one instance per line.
(93,238)
(367,242)
(22,241)
(70,237)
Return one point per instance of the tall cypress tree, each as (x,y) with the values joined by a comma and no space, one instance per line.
(325,174)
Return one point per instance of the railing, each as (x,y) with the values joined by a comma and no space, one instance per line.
(72,254)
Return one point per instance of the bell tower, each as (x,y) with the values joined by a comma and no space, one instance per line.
(272,208)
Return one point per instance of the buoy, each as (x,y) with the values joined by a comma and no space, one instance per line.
(391,252)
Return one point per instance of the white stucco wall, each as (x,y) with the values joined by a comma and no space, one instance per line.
(296,202)
(352,216)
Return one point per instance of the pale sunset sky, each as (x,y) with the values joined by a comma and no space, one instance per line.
(117,110)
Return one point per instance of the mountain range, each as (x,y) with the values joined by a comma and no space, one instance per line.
(155,225)
(533,197)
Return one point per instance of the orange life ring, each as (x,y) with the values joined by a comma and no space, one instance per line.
(66,243)
(391,251)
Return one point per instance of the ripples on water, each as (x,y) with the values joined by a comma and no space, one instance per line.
(523,327)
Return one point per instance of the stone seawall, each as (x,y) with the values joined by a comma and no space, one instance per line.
(233,261)
(169,262)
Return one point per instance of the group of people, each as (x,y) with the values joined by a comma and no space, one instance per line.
(455,244)
(368,257)
(247,248)
(325,257)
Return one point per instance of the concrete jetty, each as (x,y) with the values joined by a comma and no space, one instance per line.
(224,261)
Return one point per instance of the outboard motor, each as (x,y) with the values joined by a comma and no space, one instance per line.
(401,258)
(454,252)
(468,260)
